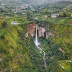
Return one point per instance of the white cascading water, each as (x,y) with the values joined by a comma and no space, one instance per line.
(37,45)
(36,39)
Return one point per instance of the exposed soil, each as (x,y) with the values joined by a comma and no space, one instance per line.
(70,22)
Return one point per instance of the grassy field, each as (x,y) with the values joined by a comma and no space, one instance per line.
(17,20)
(64,21)
(66,64)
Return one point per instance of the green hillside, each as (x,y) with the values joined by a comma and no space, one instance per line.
(17,52)
(62,39)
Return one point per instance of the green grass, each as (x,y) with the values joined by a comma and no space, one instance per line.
(66,64)
(18,20)
(52,20)
(67,21)
(61,21)
(64,21)
(57,19)
(2,31)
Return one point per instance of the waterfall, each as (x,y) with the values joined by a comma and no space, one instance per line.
(37,45)
(36,36)
(36,39)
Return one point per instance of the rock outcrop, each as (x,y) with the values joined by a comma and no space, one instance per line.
(41,31)
(49,34)
(31,30)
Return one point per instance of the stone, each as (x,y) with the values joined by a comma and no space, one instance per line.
(0,59)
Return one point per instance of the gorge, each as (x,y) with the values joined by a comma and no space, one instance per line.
(22,52)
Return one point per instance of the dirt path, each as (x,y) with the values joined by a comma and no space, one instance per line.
(44,55)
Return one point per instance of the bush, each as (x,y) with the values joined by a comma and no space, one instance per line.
(64,14)
(4,24)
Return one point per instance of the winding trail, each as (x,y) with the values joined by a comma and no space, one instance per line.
(37,46)
(44,55)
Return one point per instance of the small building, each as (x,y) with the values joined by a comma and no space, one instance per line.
(71,15)
(54,15)
(23,13)
(2,4)
(7,16)
(63,67)
(14,23)
(45,16)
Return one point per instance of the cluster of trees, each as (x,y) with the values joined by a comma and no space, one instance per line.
(4,24)
(1,10)
(64,14)
(64,38)
(29,16)
(52,55)
(52,44)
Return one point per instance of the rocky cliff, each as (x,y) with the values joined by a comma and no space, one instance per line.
(31,30)
(42,31)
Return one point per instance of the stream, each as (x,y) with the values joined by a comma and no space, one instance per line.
(37,46)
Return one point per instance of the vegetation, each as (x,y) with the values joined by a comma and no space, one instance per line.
(4,24)
(18,53)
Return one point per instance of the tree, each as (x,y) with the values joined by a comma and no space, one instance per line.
(1,10)
(4,24)
(49,14)
(64,14)
(29,8)
(28,15)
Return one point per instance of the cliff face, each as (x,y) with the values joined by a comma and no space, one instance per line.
(31,30)
(49,34)
(41,31)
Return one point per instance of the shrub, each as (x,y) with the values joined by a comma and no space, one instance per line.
(4,24)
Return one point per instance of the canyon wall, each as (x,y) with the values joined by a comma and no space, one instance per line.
(31,30)
(42,31)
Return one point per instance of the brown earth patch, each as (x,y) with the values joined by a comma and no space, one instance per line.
(70,22)
(1,18)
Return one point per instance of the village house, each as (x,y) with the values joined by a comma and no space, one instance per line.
(24,6)
(71,15)
(54,15)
